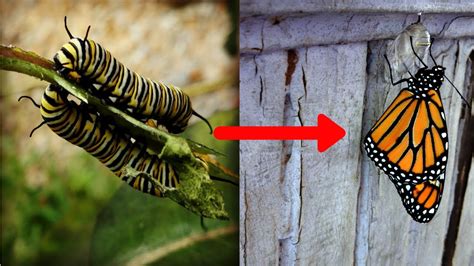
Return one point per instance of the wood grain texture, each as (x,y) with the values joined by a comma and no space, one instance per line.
(335,77)
(367,6)
(260,34)
(262,103)
(336,208)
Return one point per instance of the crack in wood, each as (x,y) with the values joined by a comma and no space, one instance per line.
(292,167)
(301,199)
(254,58)
(448,23)
(244,245)
(287,145)
(304,85)
(456,58)
(292,60)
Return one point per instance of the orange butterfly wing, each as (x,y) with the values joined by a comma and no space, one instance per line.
(421,201)
(409,142)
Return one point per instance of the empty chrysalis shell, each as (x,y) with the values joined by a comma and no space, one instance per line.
(400,53)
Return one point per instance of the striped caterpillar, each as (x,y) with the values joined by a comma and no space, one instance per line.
(115,150)
(141,97)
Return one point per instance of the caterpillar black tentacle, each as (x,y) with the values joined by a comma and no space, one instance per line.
(38,106)
(37,127)
(67,30)
(29,98)
(204,119)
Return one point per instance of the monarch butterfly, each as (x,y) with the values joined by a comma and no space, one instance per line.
(409,142)
(140,97)
(86,129)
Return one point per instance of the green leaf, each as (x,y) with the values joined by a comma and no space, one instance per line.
(135,228)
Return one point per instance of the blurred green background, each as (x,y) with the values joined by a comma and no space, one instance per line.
(59,205)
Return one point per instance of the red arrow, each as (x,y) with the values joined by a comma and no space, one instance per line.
(327,133)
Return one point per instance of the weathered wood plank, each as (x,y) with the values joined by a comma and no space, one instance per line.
(311,6)
(259,34)
(294,198)
(262,102)
(335,77)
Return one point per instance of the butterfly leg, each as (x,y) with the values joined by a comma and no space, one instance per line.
(391,76)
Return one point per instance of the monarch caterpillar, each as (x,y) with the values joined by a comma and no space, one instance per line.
(85,129)
(141,97)
(409,142)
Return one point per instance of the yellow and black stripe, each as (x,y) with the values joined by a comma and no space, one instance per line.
(141,97)
(114,149)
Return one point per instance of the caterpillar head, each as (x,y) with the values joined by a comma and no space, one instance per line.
(65,60)
(57,93)
(68,60)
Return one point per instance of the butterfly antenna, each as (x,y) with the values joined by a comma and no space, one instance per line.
(413,49)
(204,119)
(31,99)
(431,54)
(391,76)
(462,97)
(434,61)
(67,30)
